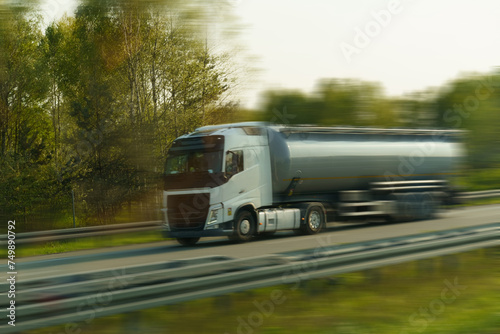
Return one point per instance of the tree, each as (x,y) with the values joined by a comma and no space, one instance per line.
(28,183)
(23,129)
(472,103)
(334,102)
(93,102)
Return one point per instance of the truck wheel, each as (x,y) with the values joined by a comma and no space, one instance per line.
(244,226)
(314,220)
(188,241)
(429,206)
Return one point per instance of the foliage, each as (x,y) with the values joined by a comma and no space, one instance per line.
(472,103)
(334,102)
(91,103)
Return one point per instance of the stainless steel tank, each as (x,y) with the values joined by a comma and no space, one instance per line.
(326,160)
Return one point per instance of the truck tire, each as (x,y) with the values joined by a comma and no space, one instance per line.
(413,206)
(314,219)
(244,226)
(187,241)
(406,208)
(428,206)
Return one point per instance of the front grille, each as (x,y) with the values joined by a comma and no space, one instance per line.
(188,211)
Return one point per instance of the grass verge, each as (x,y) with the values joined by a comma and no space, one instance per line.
(454,294)
(69,245)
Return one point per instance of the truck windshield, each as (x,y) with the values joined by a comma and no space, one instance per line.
(193,161)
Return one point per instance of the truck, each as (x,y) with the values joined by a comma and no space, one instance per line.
(248,179)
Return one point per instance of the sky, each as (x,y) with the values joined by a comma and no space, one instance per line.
(405,45)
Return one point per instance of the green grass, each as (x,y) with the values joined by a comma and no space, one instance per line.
(55,247)
(378,301)
(482,201)
(480,179)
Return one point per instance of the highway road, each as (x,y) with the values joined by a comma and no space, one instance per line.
(335,234)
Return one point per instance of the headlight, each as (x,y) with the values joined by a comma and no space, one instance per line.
(215,215)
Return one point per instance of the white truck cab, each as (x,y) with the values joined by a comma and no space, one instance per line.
(211,175)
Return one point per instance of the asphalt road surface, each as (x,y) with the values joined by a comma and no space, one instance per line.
(336,233)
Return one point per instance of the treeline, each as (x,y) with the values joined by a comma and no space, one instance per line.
(90,104)
(471,103)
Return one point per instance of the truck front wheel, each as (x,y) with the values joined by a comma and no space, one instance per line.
(244,226)
(314,220)
(187,241)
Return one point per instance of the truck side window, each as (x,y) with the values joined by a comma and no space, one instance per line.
(234,162)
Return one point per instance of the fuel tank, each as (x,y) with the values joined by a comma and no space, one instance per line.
(316,160)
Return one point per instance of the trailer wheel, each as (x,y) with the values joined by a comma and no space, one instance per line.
(187,241)
(413,206)
(314,220)
(428,206)
(244,226)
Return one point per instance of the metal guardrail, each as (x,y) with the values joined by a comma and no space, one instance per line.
(76,298)
(83,232)
(480,194)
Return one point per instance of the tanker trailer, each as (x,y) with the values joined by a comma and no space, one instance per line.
(245,179)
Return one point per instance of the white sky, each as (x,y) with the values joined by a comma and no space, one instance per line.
(424,43)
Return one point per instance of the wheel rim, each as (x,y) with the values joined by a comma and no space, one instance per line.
(245,226)
(314,220)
